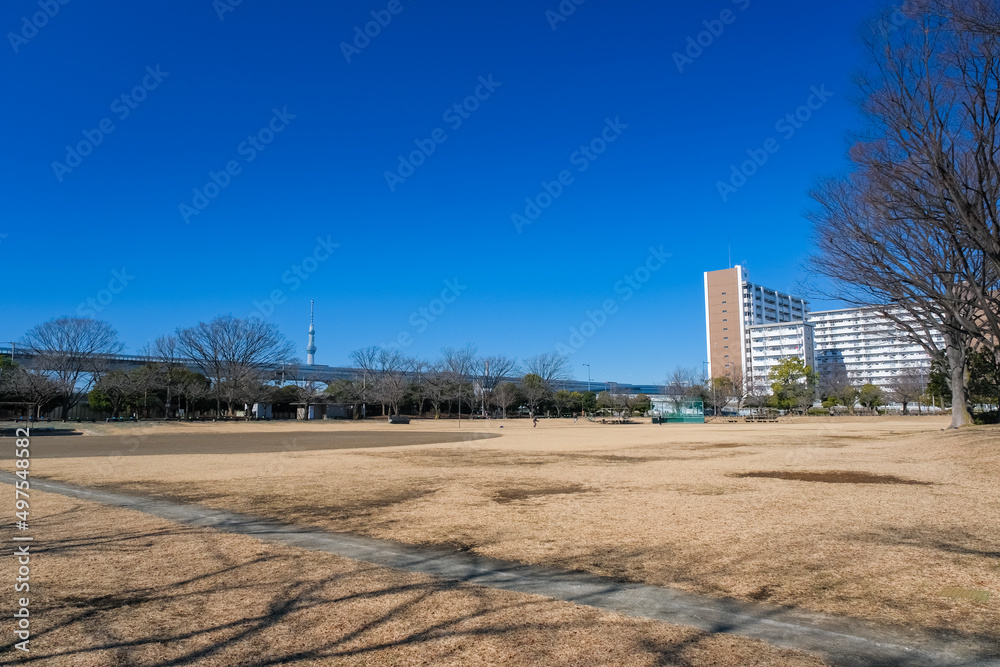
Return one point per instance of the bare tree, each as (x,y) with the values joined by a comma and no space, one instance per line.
(681,385)
(458,365)
(908,386)
(384,371)
(395,382)
(235,354)
(33,384)
(118,387)
(168,360)
(504,395)
(737,384)
(914,231)
(72,352)
(534,390)
(491,371)
(550,367)
(758,391)
(436,386)
(719,393)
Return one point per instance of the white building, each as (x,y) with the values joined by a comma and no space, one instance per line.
(772,343)
(865,346)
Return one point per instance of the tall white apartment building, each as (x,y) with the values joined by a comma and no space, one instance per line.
(772,343)
(732,306)
(864,346)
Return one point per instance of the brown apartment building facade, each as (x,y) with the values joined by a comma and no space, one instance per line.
(732,306)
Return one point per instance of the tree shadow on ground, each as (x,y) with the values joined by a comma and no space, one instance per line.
(949,540)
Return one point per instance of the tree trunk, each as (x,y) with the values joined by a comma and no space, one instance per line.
(959,408)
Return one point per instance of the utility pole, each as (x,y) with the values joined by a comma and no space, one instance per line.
(482,387)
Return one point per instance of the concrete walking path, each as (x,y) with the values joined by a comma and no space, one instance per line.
(842,641)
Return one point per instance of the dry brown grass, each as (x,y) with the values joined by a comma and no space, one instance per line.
(663,504)
(113,587)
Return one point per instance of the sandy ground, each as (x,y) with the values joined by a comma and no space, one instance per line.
(116,587)
(665,505)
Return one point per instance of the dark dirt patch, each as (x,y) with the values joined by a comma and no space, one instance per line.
(725,445)
(359,507)
(833,477)
(237,443)
(514,495)
(763,593)
(494,457)
(612,458)
(460,546)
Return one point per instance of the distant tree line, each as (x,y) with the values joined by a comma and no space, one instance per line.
(225,366)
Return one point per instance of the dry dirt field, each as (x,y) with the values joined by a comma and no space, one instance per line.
(892,520)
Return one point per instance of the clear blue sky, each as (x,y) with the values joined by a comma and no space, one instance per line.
(211,84)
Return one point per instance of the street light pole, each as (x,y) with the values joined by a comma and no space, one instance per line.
(588,375)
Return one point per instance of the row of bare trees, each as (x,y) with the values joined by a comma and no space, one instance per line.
(460,377)
(66,358)
(914,230)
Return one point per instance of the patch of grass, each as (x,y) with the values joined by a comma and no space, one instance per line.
(832,477)
(709,490)
(966,594)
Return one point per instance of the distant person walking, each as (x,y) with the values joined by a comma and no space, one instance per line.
(534,422)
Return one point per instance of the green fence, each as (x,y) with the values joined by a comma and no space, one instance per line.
(689,412)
